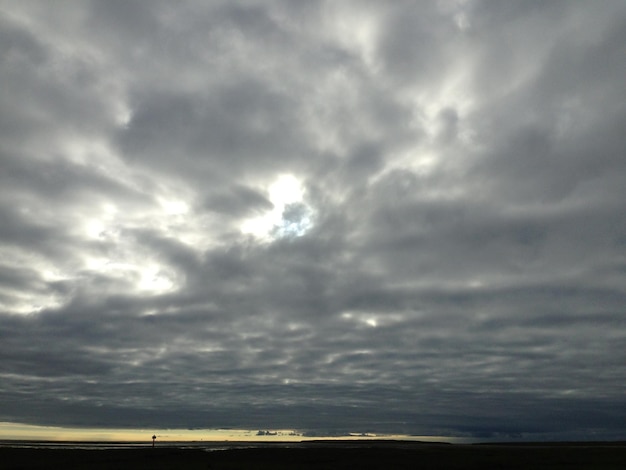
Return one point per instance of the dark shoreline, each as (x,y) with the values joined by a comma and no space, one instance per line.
(329,455)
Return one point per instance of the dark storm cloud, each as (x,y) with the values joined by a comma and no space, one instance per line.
(353,217)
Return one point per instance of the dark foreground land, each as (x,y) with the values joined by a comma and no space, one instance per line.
(328,456)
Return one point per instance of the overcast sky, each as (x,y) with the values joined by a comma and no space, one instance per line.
(369,216)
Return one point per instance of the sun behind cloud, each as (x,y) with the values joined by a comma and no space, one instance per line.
(290,215)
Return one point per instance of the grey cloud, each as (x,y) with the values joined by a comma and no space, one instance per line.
(239,200)
(453,265)
(229,131)
(418,42)
(64,183)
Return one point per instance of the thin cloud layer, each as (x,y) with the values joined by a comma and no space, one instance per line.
(334,217)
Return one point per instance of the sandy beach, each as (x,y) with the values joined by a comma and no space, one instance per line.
(326,456)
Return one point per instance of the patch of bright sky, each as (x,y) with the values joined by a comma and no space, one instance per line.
(155,279)
(16,431)
(174,206)
(373,319)
(284,191)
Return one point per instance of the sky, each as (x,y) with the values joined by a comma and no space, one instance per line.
(328,217)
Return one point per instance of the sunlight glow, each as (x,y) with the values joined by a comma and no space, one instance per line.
(16,431)
(154,279)
(173,206)
(150,278)
(371,322)
(374,320)
(289,217)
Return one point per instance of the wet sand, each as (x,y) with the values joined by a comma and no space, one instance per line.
(327,456)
